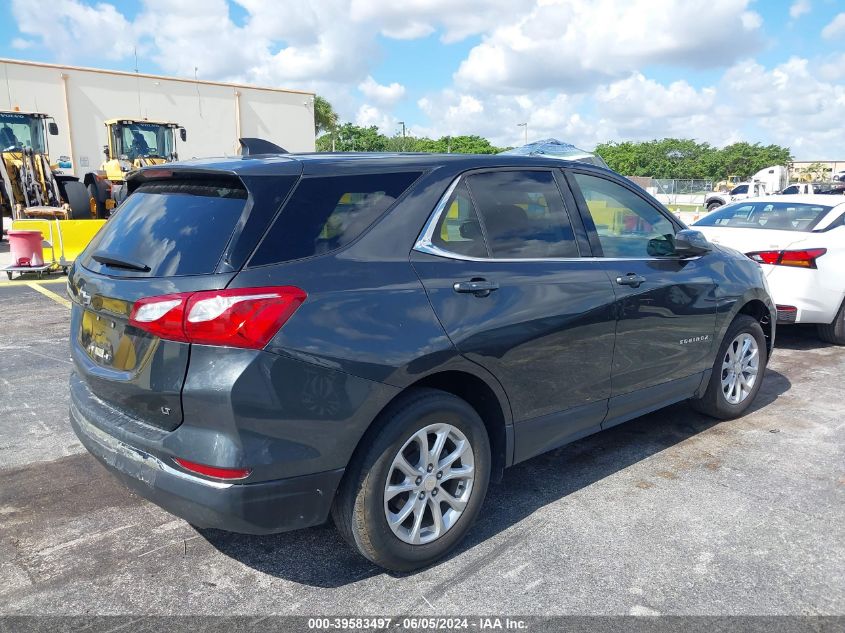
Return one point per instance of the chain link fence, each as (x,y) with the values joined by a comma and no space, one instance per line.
(682,186)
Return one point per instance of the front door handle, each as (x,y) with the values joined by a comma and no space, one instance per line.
(478,287)
(631,279)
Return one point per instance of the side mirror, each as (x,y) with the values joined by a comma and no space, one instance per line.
(106,150)
(52,128)
(183,134)
(691,243)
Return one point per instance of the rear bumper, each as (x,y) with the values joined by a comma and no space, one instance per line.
(259,508)
(802,295)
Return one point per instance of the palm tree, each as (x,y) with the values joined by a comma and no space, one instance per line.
(325,118)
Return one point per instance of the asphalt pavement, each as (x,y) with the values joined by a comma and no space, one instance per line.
(671,513)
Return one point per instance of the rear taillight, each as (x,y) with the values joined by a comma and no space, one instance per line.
(805,258)
(213,471)
(237,317)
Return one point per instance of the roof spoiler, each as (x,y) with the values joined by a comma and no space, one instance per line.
(252,146)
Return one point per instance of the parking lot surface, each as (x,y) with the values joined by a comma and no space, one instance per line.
(672,513)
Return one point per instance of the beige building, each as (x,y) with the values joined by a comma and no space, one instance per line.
(214,114)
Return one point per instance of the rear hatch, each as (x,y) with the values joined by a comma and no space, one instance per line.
(178,232)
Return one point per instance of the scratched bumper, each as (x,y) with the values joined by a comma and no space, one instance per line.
(259,508)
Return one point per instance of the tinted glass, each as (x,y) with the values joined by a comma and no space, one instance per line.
(21,130)
(326,213)
(739,189)
(523,214)
(458,229)
(177,227)
(627,225)
(783,216)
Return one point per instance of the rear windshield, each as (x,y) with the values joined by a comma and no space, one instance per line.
(177,227)
(783,216)
(326,213)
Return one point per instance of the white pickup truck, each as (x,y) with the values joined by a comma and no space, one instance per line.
(765,182)
(741,191)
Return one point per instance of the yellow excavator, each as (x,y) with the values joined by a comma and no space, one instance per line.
(132,144)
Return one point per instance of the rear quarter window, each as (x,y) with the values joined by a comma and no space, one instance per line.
(176,227)
(326,213)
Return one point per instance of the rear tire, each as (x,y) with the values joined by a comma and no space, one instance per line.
(834,332)
(367,514)
(76,195)
(716,402)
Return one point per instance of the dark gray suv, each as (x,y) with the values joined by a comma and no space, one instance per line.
(263,341)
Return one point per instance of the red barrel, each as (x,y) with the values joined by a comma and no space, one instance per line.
(26,248)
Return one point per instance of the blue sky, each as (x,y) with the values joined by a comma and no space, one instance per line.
(585,71)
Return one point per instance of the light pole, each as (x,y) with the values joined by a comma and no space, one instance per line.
(525,125)
(402,123)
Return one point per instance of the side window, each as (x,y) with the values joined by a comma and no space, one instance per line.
(739,189)
(325,213)
(627,225)
(523,215)
(791,189)
(458,229)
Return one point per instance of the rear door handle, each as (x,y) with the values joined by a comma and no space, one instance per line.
(631,280)
(478,287)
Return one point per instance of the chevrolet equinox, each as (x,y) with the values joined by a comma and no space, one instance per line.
(262,342)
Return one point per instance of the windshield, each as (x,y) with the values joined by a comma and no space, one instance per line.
(19,131)
(142,140)
(783,216)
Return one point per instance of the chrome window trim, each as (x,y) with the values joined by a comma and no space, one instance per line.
(425,245)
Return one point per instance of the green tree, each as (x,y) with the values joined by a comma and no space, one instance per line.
(687,158)
(353,138)
(325,118)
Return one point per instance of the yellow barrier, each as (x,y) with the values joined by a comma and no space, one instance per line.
(65,239)
(48,236)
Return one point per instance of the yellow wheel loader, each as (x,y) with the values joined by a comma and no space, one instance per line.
(30,187)
(36,194)
(132,144)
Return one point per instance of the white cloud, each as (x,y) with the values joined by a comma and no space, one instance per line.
(836,28)
(581,43)
(578,70)
(383,95)
(832,68)
(789,104)
(72,29)
(368,115)
(413,19)
(799,8)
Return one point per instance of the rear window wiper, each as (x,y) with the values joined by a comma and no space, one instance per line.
(115,262)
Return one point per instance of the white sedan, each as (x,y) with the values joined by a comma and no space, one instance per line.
(799,241)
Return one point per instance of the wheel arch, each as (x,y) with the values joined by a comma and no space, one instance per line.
(759,311)
(488,401)
(483,398)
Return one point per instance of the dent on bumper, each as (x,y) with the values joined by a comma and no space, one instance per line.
(258,508)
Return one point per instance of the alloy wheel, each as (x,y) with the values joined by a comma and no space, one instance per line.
(429,484)
(740,366)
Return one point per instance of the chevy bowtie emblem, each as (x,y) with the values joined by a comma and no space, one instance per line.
(85,297)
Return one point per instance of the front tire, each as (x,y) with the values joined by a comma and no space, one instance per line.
(714,205)
(412,495)
(834,332)
(737,373)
